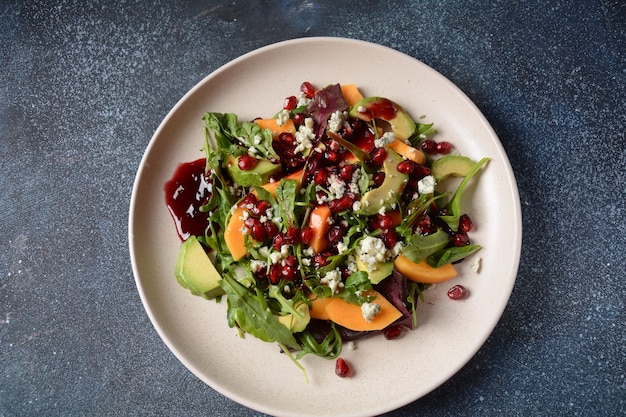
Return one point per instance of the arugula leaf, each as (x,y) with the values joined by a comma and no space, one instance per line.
(451,254)
(286,199)
(229,134)
(329,348)
(249,312)
(419,247)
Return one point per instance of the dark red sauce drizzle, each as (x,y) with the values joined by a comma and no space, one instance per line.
(187,190)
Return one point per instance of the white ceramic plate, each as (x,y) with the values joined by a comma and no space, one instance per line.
(387,374)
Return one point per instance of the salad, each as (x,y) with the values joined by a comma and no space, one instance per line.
(323,223)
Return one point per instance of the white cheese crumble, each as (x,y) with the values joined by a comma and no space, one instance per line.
(369,311)
(333,280)
(257,266)
(305,136)
(303,100)
(351,265)
(336,187)
(371,250)
(475,266)
(275,257)
(385,139)
(282,117)
(336,120)
(426,185)
(341,247)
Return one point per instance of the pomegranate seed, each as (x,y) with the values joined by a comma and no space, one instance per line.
(246,162)
(291,260)
(258,232)
(293,236)
(306,234)
(374,222)
(275,273)
(444,148)
(460,239)
(378,179)
(393,332)
(345,172)
(389,238)
(424,225)
(260,208)
(307,89)
(321,259)
(332,156)
(458,292)
(279,241)
(287,138)
(290,103)
(298,118)
(289,272)
(270,228)
(420,171)
(341,204)
(335,234)
(261,273)
(320,177)
(248,199)
(378,156)
(429,146)
(465,223)
(342,369)
(406,167)
(385,222)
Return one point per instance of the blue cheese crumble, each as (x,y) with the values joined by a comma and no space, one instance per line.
(333,280)
(371,250)
(426,185)
(369,311)
(385,139)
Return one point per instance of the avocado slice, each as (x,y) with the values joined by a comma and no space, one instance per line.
(195,271)
(381,270)
(451,165)
(382,108)
(293,322)
(257,176)
(389,191)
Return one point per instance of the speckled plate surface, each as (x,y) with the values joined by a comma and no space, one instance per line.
(387,374)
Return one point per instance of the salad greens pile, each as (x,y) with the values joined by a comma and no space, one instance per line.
(327,221)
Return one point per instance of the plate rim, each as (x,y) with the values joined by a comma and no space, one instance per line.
(277,45)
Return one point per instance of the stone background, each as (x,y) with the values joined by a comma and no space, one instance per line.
(83,86)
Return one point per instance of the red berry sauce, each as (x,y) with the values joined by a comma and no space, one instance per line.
(187,190)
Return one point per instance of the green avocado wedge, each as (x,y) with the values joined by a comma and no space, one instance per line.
(451,165)
(195,271)
(256,176)
(382,108)
(389,192)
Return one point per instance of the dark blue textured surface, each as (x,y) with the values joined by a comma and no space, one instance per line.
(83,85)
